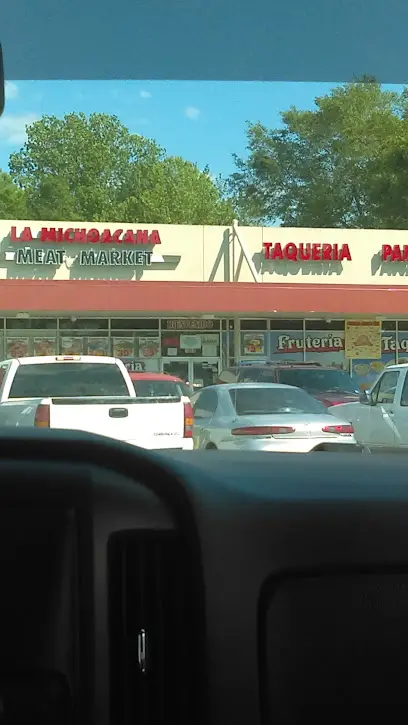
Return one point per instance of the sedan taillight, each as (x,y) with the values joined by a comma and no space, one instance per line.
(263,430)
(339,429)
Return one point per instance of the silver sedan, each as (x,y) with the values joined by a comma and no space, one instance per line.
(264,417)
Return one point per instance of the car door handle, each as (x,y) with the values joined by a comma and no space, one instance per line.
(118,413)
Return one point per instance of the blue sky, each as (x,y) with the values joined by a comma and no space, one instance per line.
(201,121)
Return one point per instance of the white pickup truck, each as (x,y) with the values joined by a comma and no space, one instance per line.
(93,394)
(380,419)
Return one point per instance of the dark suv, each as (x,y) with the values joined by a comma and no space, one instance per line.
(330,385)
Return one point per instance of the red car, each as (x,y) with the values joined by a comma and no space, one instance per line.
(157,384)
(329,385)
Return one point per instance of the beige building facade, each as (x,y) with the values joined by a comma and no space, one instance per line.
(193,299)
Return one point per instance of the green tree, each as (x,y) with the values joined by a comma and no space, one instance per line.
(93,168)
(340,165)
(175,191)
(12,199)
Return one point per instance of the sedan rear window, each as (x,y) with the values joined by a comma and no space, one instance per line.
(272,401)
(68,380)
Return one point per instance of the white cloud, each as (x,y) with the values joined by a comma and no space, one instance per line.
(192,112)
(145,94)
(11,91)
(13,128)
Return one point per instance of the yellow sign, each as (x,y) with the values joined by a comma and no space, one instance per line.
(363,339)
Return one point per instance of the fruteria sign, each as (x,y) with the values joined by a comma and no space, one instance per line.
(306,252)
(118,248)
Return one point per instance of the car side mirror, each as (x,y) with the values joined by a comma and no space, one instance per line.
(365,398)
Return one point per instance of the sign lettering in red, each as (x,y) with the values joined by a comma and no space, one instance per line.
(72,235)
(395,253)
(307,252)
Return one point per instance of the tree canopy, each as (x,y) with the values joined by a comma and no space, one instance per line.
(343,164)
(92,167)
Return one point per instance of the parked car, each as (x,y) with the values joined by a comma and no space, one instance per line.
(265,417)
(93,394)
(329,385)
(148,384)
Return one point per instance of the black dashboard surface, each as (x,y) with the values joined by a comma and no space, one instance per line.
(208,587)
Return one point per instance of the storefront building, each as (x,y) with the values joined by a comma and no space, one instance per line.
(193,299)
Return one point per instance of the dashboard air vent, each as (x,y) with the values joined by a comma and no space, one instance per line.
(151,629)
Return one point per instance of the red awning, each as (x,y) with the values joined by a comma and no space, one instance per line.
(201,298)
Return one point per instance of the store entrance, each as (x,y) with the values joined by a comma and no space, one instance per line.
(199,372)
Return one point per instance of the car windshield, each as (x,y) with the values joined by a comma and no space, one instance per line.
(157,389)
(318,381)
(209,227)
(271,401)
(68,380)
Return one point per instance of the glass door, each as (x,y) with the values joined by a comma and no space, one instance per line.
(177,367)
(204,372)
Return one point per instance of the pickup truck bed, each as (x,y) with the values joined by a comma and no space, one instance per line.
(153,422)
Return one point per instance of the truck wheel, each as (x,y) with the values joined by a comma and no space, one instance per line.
(211,447)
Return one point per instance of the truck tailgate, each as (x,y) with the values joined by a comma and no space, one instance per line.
(145,422)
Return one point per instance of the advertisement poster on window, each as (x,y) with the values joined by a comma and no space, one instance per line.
(253,343)
(123,347)
(44,346)
(18,347)
(365,372)
(322,346)
(363,339)
(149,347)
(98,346)
(72,345)
(190,343)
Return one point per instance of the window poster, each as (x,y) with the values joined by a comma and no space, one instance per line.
(98,346)
(253,343)
(17,347)
(149,347)
(363,339)
(123,347)
(44,346)
(366,371)
(72,345)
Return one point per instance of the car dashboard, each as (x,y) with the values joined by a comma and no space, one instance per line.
(141,587)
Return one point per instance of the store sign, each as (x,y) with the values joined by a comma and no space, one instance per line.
(70,235)
(307,252)
(328,343)
(86,258)
(395,253)
(191,324)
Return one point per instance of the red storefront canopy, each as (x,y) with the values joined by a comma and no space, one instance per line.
(201,297)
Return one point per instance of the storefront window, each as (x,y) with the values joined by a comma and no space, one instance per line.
(402,335)
(256,325)
(84,323)
(286,344)
(365,372)
(131,323)
(31,323)
(324,343)
(190,344)
(253,344)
